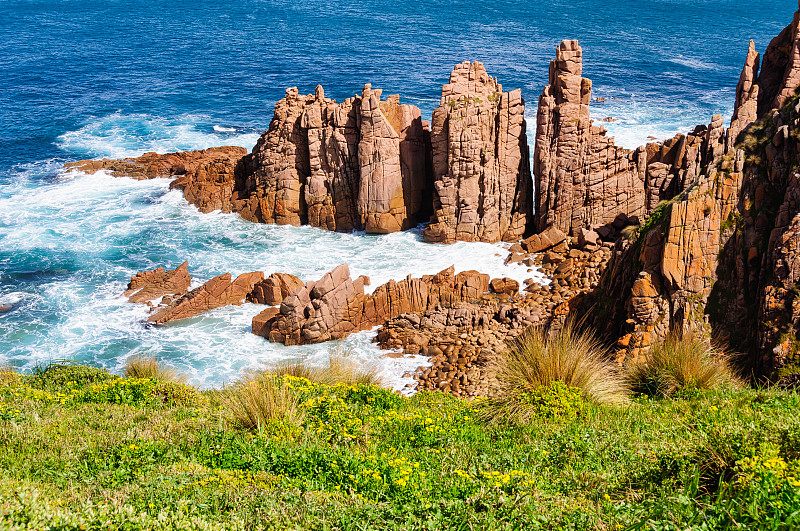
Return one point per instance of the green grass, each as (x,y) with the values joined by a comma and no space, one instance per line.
(115,453)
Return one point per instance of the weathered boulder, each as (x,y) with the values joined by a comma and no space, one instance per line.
(217,292)
(481,161)
(544,240)
(507,286)
(150,285)
(336,306)
(274,289)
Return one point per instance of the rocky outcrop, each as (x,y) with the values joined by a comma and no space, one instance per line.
(362,164)
(205,176)
(582,178)
(480,161)
(273,289)
(337,306)
(585,181)
(722,256)
(368,164)
(217,292)
(151,285)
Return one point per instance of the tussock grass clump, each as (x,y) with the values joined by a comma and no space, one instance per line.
(538,366)
(263,400)
(341,369)
(7,375)
(140,366)
(680,364)
(630,233)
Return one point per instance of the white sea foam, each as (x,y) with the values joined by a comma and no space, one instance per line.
(109,228)
(129,135)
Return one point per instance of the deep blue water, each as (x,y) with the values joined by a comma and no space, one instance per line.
(87,78)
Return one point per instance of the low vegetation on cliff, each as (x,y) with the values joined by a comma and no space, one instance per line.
(83,449)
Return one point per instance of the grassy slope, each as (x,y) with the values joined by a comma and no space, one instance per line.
(106,454)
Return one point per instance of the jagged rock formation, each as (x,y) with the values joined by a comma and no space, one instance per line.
(368,164)
(361,164)
(274,289)
(480,161)
(150,285)
(217,292)
(337,306)
(583,180)
(722,256)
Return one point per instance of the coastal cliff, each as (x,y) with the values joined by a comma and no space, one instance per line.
(699,232)
(720,256)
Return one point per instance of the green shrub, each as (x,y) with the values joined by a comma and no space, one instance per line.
(680,365)
(330,418)
(551,401)
(66,375)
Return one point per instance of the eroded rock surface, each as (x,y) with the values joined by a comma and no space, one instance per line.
(336,305)
(151,285)
(480,160)
(273,289)
(722,256)
(217,292)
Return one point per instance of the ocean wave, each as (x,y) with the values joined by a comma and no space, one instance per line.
(129,135)
(110,228)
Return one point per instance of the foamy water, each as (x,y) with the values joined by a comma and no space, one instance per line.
(68,244)
(86,235)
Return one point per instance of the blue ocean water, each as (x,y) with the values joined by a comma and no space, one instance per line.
(112,78)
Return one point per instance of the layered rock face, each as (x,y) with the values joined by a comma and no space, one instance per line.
(583,180)
(337,306)
(218,292)
(480,161)
(722,256)
(362,164)
(151,285)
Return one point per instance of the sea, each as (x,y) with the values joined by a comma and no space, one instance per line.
(116,78)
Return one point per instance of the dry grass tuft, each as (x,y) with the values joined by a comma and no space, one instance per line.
(342,368)
(679,364)
(8,376)
(140,366)
(259,401)
(570,356)
(630,233)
